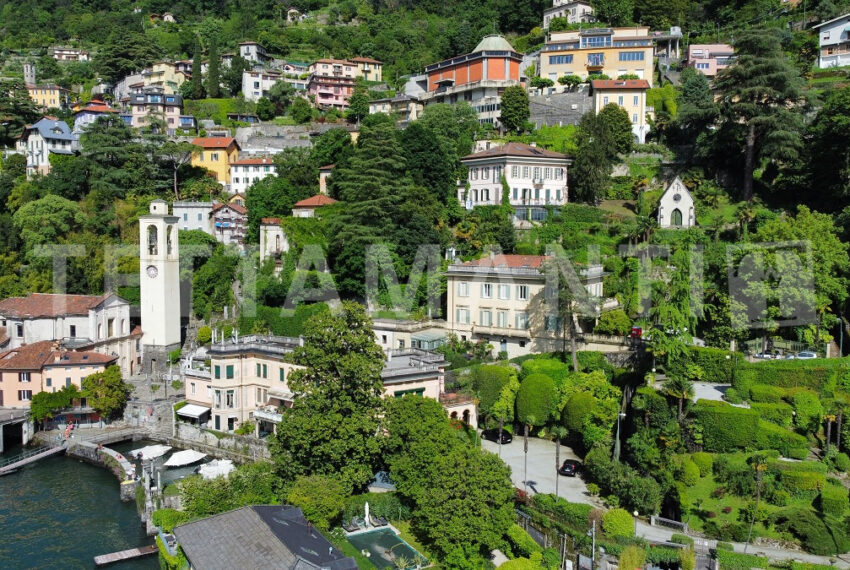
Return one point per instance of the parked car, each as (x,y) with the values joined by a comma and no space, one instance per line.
(806,355)
(493,435)
(570,468)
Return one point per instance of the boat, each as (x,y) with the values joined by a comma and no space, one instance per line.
(186,457)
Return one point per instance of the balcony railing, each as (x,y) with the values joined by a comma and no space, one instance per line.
(595,61)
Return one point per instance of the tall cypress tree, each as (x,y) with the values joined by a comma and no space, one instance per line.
(214,72)
(197,84)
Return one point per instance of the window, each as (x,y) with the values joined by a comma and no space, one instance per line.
(67,382)
(537,173)
(282,374)
(516,193)
(229,372)
(463,289)
(214,156)
(200,217)
(634,118)
(414,391)
(485,173)
(521,321)
(217,372)
(552,323)
(620,100)
(462,316)
(73,331)
(229,399)
(702,66)
(631,56)
(605,100)
(635,101)
(525,171)
(486,318)
(547,173)
(502,319)
(515,171)
(24,395)
(110,328)
(185,217)
(48,382)
(258,369)
(487,290)
(23,377)
(19,330)
(504,291)
(265,371)
(522,292)
(560,59)
(192,387)
(596,41)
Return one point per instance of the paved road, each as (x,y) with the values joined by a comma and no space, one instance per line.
(541,479)
(541,469)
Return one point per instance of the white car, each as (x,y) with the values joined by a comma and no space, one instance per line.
(806,355)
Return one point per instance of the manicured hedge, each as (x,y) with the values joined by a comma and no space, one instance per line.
(725,427)
(682,539)
(521,542)
(803,484)
(821,374)
(833,500)
(734,560)
(779,414)
(574,514)
(704,462)
(554,369)
(772,436)
(766,394)
(715,366)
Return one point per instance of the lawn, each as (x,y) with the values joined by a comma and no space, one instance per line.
(624,208)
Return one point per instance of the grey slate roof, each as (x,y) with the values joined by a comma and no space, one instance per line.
(260,536)
(53,129)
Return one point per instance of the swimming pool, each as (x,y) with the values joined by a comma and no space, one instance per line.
(385,548)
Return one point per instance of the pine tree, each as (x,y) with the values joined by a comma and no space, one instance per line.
(515,112)
(214,72)
(760,100)
(197,85)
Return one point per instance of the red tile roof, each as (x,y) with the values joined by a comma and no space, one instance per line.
(37,355)
(248,161)
(509,260)
(40,305)
(233,206)
(137,331)
(365,60)
(516,149)
(214,142)
(315,202)
(270,221)
(331,60)
(619,84)
(4,338)
(327,167)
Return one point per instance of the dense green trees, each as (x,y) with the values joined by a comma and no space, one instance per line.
(515,110)
(16,110)
(106,392)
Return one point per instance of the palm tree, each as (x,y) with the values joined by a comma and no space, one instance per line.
(647,226)
(759,463)
(680,388)
(558,433)
(746,214)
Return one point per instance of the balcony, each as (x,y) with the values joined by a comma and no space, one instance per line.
(595,62)
(537,182)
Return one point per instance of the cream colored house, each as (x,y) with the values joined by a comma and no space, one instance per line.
(248,381)
(165,76)
(608,51)
(369,69)
(630,95)
(574,11)
(500,299)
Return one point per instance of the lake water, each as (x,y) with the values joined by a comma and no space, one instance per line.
(60,513)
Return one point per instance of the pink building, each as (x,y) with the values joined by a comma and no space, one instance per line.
(332,82)
(708,59)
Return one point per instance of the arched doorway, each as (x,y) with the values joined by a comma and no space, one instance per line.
(676,217)
(466,417)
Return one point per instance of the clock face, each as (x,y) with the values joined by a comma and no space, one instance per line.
(152,271)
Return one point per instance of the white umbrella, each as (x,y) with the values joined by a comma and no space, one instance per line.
(367,513)
(186,457)
(216,468)
(150,451)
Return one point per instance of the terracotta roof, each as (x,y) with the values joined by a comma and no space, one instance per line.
(619,84)
(516,149)
(4,338)
(39,305)
(66,357)
(327,167)
(330,60)
(509,260)
(232,205)
(137,331)
(270,221)
(246,161)
(365,60)
(315,202)
(214,142)
(37,355)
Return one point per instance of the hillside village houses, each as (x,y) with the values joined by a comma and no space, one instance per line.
(216,154)
(834,42)
(676,207)
(536,178)
(82,322)
(47,136)
(574,11)
(246,171)
(68,54)
(630,95)
(229,223)
(87,114)
(607,51)
(479,78)
(307,207)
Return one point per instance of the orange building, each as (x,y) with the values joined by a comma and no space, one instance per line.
(479,78)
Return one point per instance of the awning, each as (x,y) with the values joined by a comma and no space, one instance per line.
(186,457)
(429,335)
(192,411)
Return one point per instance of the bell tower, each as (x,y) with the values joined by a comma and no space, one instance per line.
(159,264)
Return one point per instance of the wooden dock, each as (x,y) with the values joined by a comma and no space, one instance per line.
(105,559)
(30,458)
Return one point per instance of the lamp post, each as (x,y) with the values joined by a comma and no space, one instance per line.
(636,514)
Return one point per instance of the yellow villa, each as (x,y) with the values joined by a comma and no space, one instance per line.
(215,155)
(598,51)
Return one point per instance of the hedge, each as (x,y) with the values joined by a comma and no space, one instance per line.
(803,484)
(536,399)
(618,522)
(554,369)
(574,514)
(833,500)
(779,414)
(726,428)
(682,539)
(167,519)
(704,461)
(715,366)
(690,473)
(521,542)
(772,436)
(820,374)
(734,560)
(387,505)
(766,394)
(488,380)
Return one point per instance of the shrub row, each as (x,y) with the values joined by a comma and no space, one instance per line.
(725,427)
(779,413)
(821,374)
(387,505)
(574,514)
(734,560)
(833,500)
(772,436)
(521,542)
(704,461)
(803,484)
(766,394)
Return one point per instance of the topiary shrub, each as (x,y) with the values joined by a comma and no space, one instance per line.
(703,461)
(798,453)
(488,382)
(803,484)
(204,335)
(726,428)
(690,473)
(715,365)
(833,499)
(536,400)
(573,514)
(808,410)
(766,394)
(732,396)
(579,406)
(616,323)
(772,436)
(682,539)
(618,522)
(778,413)
(842,462)
(736,561)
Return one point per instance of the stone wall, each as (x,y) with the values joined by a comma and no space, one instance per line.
(108,458)
(558,109)
(236,447)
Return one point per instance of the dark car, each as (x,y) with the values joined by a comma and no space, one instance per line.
(570,468)
(493,435)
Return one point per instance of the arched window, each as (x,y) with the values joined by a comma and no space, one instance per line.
(153,239)
(168,240)
(676,217)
